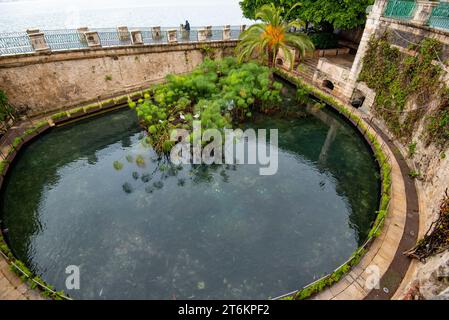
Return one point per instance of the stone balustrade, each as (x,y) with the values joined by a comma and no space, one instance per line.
(35,40)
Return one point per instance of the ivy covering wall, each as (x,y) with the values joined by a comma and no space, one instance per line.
(407,87)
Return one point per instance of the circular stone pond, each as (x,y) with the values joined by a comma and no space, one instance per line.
(92,194)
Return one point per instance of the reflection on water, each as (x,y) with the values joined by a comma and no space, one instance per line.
(149,229)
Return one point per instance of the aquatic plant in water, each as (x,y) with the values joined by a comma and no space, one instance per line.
(158,184)
(140,161)
(129,158)
(218,93)
(118,165)
(127,187)
(145,178)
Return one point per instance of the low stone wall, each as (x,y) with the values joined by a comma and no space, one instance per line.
(48,81)
(334,74)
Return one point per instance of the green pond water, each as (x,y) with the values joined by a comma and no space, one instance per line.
(155,231)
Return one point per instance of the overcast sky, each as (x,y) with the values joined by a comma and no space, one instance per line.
(129,3)
(62,14)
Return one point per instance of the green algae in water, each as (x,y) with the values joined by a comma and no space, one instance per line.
(118,165)
(65,204)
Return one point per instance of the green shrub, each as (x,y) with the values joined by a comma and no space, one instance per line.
(76,110)
(6,110)
(411,149)
(59,115)
(3,164)
(91,106)
(302,95)
(414,174)
(324,40)
(17,141)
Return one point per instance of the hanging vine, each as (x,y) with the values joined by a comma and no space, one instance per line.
(401,80)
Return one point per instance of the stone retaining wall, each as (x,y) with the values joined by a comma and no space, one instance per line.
(51,80)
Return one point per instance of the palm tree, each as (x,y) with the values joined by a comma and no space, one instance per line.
(272,35)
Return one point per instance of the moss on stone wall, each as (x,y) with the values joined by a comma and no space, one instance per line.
(406,86)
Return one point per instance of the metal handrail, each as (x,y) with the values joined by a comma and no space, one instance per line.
(400,9)
(13,43)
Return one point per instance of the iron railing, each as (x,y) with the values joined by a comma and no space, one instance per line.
(400,9)
(13,43)
(440,16)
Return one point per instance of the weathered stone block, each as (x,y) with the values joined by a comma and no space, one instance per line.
(156,33)
(227,33)
(283,60)
(330,52)
(136,37)
(202,35)
(185,34)
(92,38)
(38,42)
(423,11)
(343,51)
(81,34)
(172,36)
(123,33)
(32,31)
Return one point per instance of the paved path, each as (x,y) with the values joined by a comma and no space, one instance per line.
(11,286)
(398,268)
(384,257)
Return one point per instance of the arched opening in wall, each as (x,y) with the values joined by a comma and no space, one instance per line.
(328,84)
(279,62)
(358,98)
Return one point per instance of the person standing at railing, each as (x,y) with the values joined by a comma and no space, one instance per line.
(185,29)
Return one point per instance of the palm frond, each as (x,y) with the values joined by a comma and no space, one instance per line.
(270,36)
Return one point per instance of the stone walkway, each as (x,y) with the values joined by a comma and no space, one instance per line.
(11,286)
(381,259)
(357,284)
(398,268)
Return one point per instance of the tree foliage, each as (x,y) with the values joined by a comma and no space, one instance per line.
(271,35)
(342,14)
